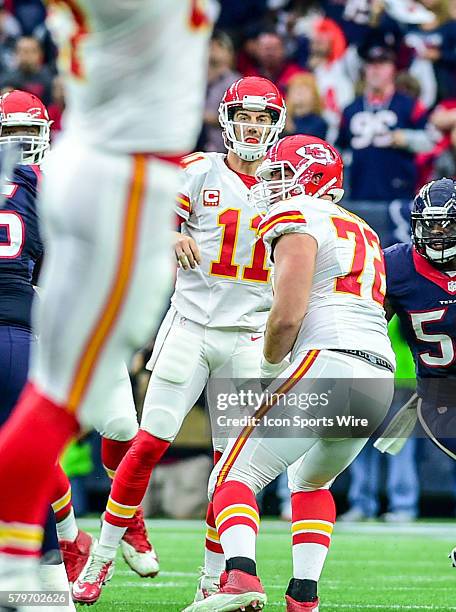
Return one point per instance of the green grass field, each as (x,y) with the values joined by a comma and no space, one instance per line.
(370,566)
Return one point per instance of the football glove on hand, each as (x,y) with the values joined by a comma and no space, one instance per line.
(398,431)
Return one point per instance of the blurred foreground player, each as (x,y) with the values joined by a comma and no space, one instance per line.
(421,289)
(327,312)
(24,123)
(134,107)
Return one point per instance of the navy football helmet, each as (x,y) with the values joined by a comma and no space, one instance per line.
(434,221)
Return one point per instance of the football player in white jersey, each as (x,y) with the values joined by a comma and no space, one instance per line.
(135,83)
(214,328)
(328,314)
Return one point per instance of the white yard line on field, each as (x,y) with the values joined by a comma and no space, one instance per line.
(447,530)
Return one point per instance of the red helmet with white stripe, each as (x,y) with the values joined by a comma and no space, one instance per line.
(20,109)
(299,165)
(251,94)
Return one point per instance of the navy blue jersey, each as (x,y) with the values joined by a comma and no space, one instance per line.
(424,298)
(20,246)
(379,171)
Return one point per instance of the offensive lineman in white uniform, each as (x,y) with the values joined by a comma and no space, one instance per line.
(134,107)
(215,325)
(328,314)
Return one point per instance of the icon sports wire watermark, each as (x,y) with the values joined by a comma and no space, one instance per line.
(14,599)
(332,408)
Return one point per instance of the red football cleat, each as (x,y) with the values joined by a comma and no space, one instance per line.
(137,551)
(97,572)
(240,591)
(75,554)
(299,606)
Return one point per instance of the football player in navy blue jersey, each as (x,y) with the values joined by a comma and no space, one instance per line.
(24,123)
(421,290)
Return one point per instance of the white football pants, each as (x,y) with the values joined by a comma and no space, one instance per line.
(186,356)
(313,459)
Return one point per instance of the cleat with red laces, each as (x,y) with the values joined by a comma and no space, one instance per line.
(238,591)
(137,551)
(75,554)
(300,606)
(96,573)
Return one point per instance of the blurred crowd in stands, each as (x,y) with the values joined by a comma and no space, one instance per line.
(375,77)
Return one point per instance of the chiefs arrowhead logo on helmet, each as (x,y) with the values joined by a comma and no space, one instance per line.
(299,165)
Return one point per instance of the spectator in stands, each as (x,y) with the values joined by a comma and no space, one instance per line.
(443,156)
(433,44)
(30,73)
(336,69)
(383,130)
(220,77)
(304,107)
(57,106)
(10,30)
(272,62)
(30,13)
(238,18)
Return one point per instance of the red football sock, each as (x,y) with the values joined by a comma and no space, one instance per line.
(61,496)
(31,441)
(132,477)
(236,518)
(313,517)
(112,453)
(212,537)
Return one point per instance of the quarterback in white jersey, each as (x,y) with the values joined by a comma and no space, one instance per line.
(135,77)
(230,288)
(328,316)
(214,328)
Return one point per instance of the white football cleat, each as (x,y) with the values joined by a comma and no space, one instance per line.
(207,585)
(54,578)
(17,574)
(137,550)
(240,591)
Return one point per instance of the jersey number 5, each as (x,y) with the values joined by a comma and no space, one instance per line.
(445,350)
(363,239)
(225,265)
(14,227)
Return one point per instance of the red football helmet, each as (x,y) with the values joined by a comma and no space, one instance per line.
(299,165)
(22,109)
(251,94)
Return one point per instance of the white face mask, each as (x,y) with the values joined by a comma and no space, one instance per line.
(31,147)
(249,151)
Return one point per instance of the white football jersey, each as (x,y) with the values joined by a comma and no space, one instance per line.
(231,287)
(135,71)
(345,308)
